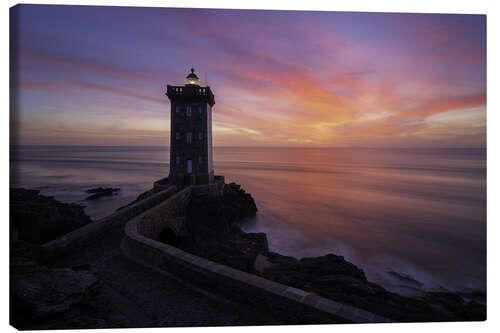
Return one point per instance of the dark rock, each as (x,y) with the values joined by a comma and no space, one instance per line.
(49,292)
(42,297)
(331,264)
(284,269)
(26,258)
(258,241)
(99,192)
(281,261)
(208,212)
(319,271)
(474,311)
(39,218)
(81,267)
(221,212)
(333,277)
(241,203)
(342,284)
(474,295)
(236,249)
(216,236)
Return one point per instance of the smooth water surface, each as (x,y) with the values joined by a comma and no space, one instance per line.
(420,212)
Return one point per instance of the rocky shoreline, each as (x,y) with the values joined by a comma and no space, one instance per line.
(37,219)
(215,235)
(69,296)
(99,192)
(42,294)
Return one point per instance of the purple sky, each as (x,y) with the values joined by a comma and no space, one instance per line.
(97,76)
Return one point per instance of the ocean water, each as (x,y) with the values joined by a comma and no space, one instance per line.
(417,212)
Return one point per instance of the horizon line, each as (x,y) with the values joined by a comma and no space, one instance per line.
(226,146)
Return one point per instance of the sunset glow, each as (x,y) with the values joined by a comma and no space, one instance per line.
(98,75)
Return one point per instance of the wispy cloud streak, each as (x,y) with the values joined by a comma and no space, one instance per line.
(280,78)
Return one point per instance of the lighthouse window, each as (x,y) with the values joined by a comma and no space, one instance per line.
(177,136)
(189,137)
(188,111)
(177,109)
(200,135)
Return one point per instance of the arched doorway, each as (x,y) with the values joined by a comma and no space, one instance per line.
(168,236)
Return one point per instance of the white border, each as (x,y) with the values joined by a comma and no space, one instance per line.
(417,6)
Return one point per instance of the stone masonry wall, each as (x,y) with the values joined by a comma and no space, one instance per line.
(87,233)
(167,214)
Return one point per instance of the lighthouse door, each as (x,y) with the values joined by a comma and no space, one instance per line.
(189,166)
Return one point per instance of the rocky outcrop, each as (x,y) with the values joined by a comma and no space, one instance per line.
(100,192)
(213,231)
(240,203)
(221,212)
(39,219)
(216,236)
(333,277)
(236,249)
(49,292)
(72,297)
(43,297)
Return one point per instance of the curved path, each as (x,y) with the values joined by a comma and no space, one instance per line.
(146,298)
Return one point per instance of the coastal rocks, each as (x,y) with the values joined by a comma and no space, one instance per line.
(331,264)
(221,212)
(319,271)
(236,249)
(39,219)
(242,203)
(336,285)
(44,297)
(26,257)
(261,263)
(208,212)
(52,291)
(335,278)
(214,234)
(453,304)
(99,192)
(39,292)
(474,295)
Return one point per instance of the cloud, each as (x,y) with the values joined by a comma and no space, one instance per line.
(280,78)
(122,92)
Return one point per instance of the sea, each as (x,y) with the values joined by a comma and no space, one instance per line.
(412,219)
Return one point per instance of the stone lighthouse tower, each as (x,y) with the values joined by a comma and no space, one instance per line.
(191,161)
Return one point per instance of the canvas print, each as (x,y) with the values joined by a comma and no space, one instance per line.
(224,167)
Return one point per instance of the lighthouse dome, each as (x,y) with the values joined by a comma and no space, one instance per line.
(192,79)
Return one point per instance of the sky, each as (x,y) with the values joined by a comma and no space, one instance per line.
(87,75)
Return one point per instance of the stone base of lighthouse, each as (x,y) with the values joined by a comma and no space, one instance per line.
(215,188)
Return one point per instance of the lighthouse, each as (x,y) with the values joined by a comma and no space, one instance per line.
(191,157)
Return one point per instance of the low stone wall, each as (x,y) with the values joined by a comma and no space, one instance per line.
(91,230)
(214,189)
(168,214)
(292,305)
(161,184)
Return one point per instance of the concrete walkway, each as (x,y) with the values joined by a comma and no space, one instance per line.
(149,299)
